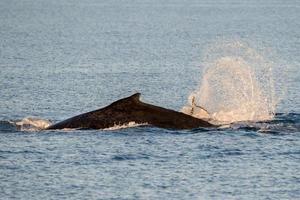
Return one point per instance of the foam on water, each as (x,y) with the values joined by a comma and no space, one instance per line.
(128,125)
(237,85)
(31,124)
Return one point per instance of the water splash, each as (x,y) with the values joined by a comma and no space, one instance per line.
(237,85)
(31,124)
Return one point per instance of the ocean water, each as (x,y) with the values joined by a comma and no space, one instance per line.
(64,57)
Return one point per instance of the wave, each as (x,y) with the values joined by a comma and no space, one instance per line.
(283,123)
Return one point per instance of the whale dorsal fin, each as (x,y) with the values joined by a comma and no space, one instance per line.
(135,97)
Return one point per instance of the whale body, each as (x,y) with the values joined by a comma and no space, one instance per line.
(131,109)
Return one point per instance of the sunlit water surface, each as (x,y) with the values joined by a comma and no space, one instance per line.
(62,58)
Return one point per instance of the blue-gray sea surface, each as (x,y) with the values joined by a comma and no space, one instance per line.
(60,58)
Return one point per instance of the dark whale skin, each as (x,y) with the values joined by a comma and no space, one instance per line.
(131,109)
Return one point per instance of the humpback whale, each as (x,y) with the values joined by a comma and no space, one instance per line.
(131,109)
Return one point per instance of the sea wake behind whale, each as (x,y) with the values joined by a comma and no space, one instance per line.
(25,124)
